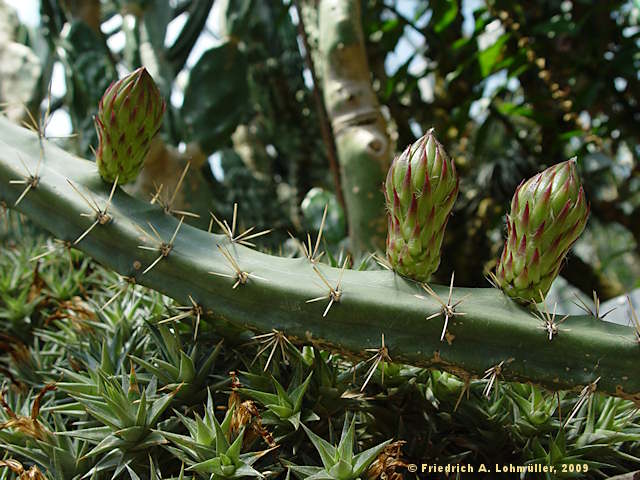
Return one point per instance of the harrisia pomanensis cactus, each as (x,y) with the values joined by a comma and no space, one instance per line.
(373,304)
(129,115)
(421,187)
(548,213)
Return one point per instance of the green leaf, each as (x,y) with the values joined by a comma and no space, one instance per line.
(141,416)
(222,444)
(234,450)
(325,449)
(298,394)
(187,368)
(342,470)
(362,461)
(217,97)
(489,57)
(347,440)
(263,397)
(444,12)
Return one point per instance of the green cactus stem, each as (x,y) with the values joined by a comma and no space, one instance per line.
(420,190)
(372,303)
(129,115)
(548,213)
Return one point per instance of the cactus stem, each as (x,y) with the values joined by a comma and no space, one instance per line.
(494,328)
(549,322)
(448,310)
(586,394)
(230,232)
(381,356)
(335,294)
(167,205)
(273,340)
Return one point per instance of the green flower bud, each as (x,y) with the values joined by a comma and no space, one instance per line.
(129,115)
(548,213)
(420,190)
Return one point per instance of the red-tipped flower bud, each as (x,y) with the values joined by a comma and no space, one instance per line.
(548,213)
(129,115)
(420,190)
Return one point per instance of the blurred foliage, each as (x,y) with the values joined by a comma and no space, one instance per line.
(512,88)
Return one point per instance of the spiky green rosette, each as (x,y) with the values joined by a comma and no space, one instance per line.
(421,187)
(129,115)
(548,213)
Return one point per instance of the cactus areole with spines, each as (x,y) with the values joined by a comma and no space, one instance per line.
(548,213)
(129,115)
(420,190)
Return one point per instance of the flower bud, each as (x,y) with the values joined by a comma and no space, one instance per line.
(129,115)
(548,213)
(420,190)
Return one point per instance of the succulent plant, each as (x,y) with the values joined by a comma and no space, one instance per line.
(284,405)
(210,449)
(339,462)
(129,116)
(420,190)
(548,213)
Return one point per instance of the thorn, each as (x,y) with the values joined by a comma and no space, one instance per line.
(335,294)
(311,251)
(31,180)
(241,277)
(102,216)
(273,340)
(492,375)
(596,302)
(167,205)
(549,322)
(163,247)
(230,231)
(195,310)
(381,356)
(448,310)
(128,282)
(586,394)
(634,319)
